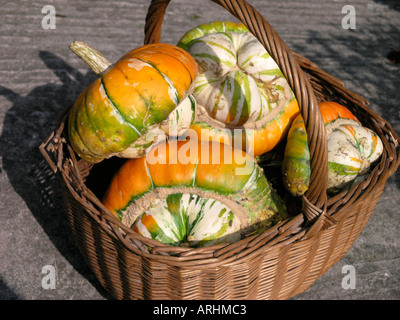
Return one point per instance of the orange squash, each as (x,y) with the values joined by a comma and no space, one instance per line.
(352,149)
(194,193)
(133,103)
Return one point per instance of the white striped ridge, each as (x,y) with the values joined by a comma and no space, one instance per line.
(238,80)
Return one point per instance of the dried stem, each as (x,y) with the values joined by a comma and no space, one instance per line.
(94,59)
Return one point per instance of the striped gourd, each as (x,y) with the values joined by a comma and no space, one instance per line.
(191,193)
(240,87)
(352,148)
(140,99)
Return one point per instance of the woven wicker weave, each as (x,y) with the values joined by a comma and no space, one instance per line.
(278,264)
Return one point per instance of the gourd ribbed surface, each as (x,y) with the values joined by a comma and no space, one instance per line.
(123,110)
(194,191)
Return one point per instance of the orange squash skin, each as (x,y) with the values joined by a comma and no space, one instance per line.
(139,91)
(197,170)
(166,169)
(331,111)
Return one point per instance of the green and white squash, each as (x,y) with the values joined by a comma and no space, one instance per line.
(239,86)
(352,149)
(188,218)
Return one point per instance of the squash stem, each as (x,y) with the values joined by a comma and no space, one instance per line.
(94,59)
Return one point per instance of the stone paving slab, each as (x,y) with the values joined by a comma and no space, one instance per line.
(39,77)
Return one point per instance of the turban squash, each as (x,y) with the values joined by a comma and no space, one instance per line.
(194,193)
(352,149)
(242,95)
(138,100)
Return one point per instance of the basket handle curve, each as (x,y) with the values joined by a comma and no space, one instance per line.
(315,199)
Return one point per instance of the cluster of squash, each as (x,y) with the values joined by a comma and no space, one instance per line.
(192,121)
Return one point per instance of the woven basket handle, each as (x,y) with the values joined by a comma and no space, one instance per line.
(314,201)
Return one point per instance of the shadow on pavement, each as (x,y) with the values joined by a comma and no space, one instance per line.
(7,293)
(392,4)
(26,125)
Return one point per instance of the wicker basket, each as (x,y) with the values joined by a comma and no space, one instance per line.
(278,264)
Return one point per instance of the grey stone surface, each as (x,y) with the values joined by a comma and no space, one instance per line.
(39,77)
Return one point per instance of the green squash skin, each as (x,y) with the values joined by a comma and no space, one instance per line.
(102,134)
(84,128)
(296,170)
(214,27)
(112,135)
(140,121)
(113,131)
(258,197)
